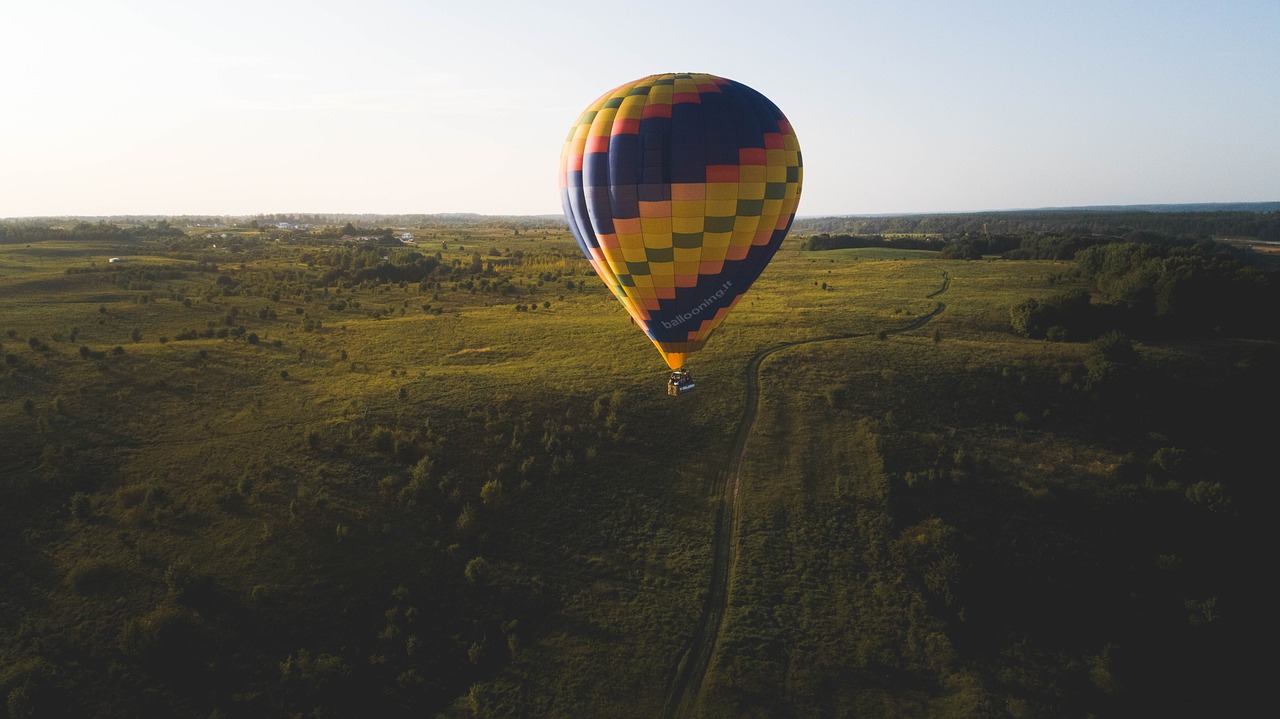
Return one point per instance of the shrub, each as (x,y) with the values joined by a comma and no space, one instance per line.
(491,493)
(1210,495)
(180,577)
(1111,360)
(467,520)
(166,639)
(316,673)
(81,505)
(382,440)
(91,575)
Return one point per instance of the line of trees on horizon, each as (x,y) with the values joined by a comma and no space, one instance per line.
(1260,225)
(1258,220)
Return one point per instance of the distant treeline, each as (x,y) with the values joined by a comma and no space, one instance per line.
(1263,226)
(1026,246)
(307,220)
(1246,220)
(23,232)
(972,247)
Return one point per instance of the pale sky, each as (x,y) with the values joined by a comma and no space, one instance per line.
(231,107)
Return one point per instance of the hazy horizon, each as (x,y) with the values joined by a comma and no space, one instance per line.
(1268,206)
(149,108)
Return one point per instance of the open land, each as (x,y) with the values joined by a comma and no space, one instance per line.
(259,471)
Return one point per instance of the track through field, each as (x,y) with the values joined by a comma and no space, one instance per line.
(685,684)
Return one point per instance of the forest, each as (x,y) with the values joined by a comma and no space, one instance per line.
(1259,221)
(999,466)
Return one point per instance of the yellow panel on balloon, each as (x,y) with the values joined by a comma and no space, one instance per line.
(687,225)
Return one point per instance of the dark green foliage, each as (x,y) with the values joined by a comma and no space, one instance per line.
(1111,361)
(1128,575)
(91,576)
(965,248)
(1050,247)
(1181,291)
(169,641)
(1258,220)
(1066,315)
(81,505)
(1155,290)
(840,242)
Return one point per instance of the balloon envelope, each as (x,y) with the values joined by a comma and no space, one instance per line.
(679,188)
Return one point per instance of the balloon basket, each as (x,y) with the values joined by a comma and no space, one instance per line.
(680,382)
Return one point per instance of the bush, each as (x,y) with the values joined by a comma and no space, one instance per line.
(1210,495)
(180,577)
(491,493)
(167,639)
(1112,360)
(383,440)
(1068,314)
(478,571)
(467,521)
(81,506)
(89,576)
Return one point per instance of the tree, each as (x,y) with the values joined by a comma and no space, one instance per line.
(964,249)
(1210,495)
(466,521)
(1070,311)
(1111,360)
(477,570)
(491,493)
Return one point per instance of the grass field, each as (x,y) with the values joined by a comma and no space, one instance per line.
(231,485)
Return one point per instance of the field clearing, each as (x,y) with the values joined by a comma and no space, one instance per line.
(354,479)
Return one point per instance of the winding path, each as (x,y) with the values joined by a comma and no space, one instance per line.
(686,681)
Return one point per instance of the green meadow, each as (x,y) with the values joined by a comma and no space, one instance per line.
(252,472)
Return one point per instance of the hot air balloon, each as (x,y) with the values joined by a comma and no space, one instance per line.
(679,188)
